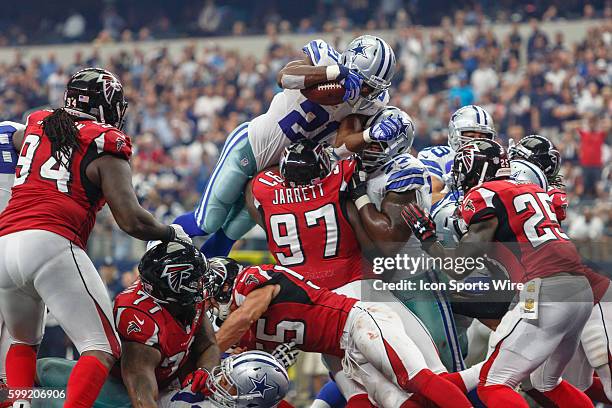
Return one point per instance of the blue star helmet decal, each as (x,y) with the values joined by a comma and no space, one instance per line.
(360,48)
(260,387)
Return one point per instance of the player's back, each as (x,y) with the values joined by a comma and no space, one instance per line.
(140,318)
(312,317)
(308,229)
(534,244)
(57,196)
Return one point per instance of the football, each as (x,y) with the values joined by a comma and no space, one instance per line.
(325,93)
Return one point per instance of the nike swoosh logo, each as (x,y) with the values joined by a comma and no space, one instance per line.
(139,321)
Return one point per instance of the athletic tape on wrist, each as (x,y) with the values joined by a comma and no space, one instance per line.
(361,201)
(332,72)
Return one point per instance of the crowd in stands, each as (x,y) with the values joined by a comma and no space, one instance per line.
(182,109)
(127,20)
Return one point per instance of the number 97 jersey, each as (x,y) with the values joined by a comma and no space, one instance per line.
(307,227)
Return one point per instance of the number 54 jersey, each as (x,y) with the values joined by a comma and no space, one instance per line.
(532,244)
(54,195)
(292,117)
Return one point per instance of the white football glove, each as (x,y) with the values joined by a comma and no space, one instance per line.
(180,234)
(286,354)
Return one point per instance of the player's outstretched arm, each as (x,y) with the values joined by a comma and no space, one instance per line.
(114,176)
(239,321)
(138,364)
(349,138)
(205,347)
(302,74)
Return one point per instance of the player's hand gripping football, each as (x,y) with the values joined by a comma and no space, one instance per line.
(422,225)
(197,380)
(286,354)
(352,83)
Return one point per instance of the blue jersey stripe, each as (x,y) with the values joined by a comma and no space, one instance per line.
(405,183)
(7,129)
(403,173)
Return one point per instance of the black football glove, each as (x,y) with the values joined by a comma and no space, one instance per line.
(422,225)
(358,185)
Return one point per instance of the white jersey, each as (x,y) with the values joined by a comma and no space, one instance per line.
(8,159)
(522,170)
(438,160)
(400,174)
(292,117)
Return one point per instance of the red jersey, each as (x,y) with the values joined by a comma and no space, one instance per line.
(532,243)
(312,317)
(307,227)
(49,196)
(139,318)
(559,203)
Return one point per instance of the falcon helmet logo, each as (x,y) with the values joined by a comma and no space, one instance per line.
(175,275)
(110,85)
(467,156)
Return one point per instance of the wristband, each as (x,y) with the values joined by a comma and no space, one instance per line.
(170,234)
(332,72)
(366,136)
(362,201)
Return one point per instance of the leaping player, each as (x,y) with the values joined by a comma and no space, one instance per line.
(365,69)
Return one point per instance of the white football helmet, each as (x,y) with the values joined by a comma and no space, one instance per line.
(377,153)
(374,61)
(470,118)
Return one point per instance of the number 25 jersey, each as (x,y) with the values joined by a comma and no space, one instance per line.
(532,243)
(307,228)
(57,196)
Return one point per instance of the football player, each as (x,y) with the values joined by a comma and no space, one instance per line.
(365,69)
(307,204)
(166,335)
(499,210)
(73,160)
(534,159)
(467,122)
(395,178)
(11,137)
(277,305)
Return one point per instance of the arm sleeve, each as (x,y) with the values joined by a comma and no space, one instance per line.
(137,326)
(477,206)
(250,279)
(321,53)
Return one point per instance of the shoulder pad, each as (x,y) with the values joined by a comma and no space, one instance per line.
(321,53)
(403,173)
(114,142)
(136,325)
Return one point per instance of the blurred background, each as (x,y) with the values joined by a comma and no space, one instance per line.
(194,70)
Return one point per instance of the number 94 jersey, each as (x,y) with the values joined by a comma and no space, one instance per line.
(292,117)
(532,244)
(57,196)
